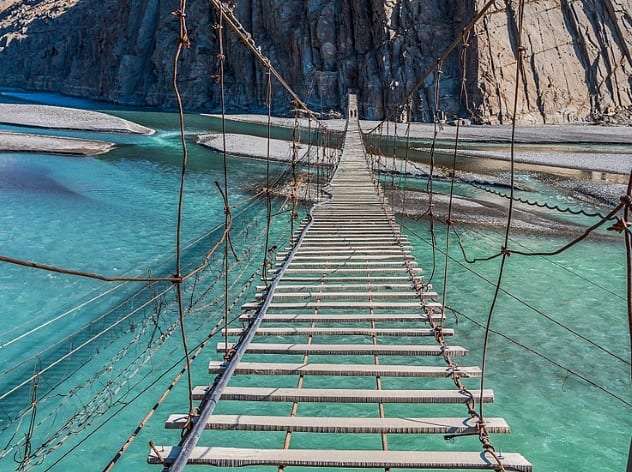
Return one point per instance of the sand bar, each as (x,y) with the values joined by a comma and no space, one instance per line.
(45,116)
(543,134)
(254,147)
(334,125)
(21,142)
(616,163)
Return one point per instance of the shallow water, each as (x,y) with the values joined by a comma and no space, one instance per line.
(116,213)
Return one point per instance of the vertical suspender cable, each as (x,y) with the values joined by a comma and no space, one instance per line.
(222,58)
(628,252)
(448,221)
(268,194)
(429,186)
(504,249)
(405,173)
(183,42)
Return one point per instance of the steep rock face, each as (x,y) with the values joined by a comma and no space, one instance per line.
(578,63)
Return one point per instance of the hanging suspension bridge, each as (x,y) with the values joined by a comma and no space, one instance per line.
(343,318)
(347,280)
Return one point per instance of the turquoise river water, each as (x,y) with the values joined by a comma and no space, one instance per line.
(104,368)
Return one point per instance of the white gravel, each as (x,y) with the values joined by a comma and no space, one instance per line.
(45,116)
(544,134)
(21,142)
(616,163)
(335,125)
(253,146)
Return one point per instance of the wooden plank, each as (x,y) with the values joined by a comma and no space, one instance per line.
(359,331)
(398,256)
(365,265)
(349,425)
(327,286)
(349,349)
(359,318)
(342,395)
(316,293)
(343,370)
(233,457)
(334,278)
(337,305)
(373,271)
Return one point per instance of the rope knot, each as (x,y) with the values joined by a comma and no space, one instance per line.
(620,226)
(177,279)
(179,13)
(229,354)
(505,251)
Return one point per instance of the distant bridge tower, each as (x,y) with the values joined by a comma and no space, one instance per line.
(353,106)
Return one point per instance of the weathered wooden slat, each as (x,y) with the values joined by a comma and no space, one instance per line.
(347,305)
(335,287)
(349,349)
(344,370)
(339,425)
(359,318)
(232,457)
(342,395)
(316,293)
(313,331)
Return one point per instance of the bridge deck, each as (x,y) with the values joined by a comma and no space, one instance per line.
(348,295)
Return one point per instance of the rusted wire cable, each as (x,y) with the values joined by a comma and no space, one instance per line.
(221,59)
(587,232)
(429,186)
(183,42)
(523,302)
(268,193)
(628,260)
(410,94)
(248,41)
(520,52)
(448,221)
(543,356)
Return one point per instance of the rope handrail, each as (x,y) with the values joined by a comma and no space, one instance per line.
(248,41)
(211,398)
(441,59)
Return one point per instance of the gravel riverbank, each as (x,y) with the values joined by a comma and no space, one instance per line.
(22,142)
(45,116)
(255,147)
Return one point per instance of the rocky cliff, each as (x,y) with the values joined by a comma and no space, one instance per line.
(578,67)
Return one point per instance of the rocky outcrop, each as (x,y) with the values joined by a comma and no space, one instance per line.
(578,66)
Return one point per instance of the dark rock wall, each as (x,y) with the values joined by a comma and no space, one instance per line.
(578,66)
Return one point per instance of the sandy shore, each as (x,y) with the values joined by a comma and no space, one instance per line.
(597,161)
(335,125)
(45,116)
(255,147)
(579,147)
(548,134)
(545,134)
(21,142)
